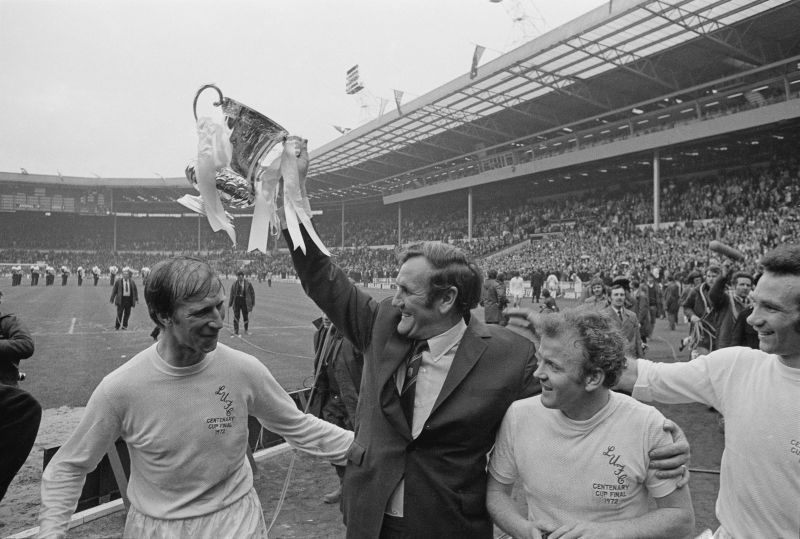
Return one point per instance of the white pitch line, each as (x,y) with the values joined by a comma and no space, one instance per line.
(72,326)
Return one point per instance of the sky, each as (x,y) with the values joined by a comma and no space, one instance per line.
(105,87)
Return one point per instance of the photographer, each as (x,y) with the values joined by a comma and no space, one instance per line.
(16,344)
(20,413)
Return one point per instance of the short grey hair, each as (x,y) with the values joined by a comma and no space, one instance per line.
(178,279)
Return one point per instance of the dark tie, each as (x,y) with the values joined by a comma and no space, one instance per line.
(410,384)
(619,312)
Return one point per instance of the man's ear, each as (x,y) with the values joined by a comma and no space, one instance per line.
(595,380)
(448,299)
(165,320)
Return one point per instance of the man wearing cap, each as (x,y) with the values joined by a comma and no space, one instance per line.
(598,300)
(729,304)
(242,299)
(699,309)
(624,319)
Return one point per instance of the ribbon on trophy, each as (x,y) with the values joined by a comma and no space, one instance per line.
(291,166)
(229,173)
(213,157)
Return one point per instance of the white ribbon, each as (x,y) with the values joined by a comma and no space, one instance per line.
(291,166)
(213,153)
(265,214)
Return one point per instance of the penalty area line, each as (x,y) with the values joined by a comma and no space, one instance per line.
(71,327)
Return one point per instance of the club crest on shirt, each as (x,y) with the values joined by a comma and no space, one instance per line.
(221,424)
(613,493)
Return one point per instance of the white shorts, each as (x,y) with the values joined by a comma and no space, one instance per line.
(241,519)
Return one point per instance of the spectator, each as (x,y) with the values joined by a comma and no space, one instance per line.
(125,296)
(491,299)
(242,299)
(20,413)
(729,304)
(337,378)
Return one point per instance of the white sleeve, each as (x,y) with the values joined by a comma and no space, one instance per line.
(63,479)
(276,410)
(656,437)
(502,465)
(676,383)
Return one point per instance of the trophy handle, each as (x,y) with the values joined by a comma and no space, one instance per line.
(200,91)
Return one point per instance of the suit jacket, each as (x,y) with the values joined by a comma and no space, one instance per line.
(445,466)
(492,298)
(116,292)
(249,294)
(630,327)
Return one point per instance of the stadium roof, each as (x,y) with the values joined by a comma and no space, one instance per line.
(602,63)
(623,59)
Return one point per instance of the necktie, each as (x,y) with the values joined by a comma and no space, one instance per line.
(619,313)
(126,291)
(410,384)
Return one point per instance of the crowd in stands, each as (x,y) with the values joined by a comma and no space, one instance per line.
(585,233)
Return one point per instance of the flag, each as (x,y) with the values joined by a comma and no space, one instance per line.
(398,97)
(352,84)
(382,109)
(476,57)
(340,129)
(23,171)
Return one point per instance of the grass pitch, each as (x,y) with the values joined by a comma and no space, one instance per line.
(76,346)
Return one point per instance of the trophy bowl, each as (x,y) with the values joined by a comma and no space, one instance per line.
(252,136)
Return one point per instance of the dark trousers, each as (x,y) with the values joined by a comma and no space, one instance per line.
(49,279)
(240,307)
(123,313)
(393,528)
(34,279)
(536,294)
(96,278)
(20,415)
(80,280)
(63,280)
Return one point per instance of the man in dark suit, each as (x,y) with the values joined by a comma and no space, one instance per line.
(242,299)
(125,296)
(625,320)
(417,467)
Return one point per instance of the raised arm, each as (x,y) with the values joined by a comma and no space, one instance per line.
(349,308)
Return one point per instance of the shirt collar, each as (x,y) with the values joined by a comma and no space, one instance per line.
(444,342)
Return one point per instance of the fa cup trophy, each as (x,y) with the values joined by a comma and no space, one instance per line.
(230,173)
